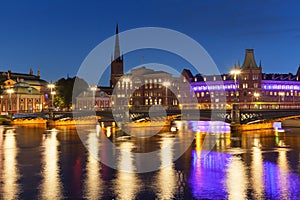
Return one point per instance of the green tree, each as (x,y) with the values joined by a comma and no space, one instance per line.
(64,89)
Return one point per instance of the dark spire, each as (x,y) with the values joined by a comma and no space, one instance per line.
(260,64)
(249,62)
(117,45)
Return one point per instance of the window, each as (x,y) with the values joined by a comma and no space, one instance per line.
(215,78)
(255,77)
(146,101)
(246,77)
(245,85)
(255,85)
(202,94)
(224,78)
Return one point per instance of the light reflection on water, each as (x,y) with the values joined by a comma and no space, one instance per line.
(51,187)
(257,167)
(10,172)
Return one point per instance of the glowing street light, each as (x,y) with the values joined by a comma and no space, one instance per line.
(235,73)
(51,86)
(166,84)
(93,88)
(256,95)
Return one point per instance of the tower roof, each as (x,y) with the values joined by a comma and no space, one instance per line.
(249,62)
(117,45)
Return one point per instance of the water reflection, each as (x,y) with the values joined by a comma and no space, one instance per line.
(283,174)
(51,187)
(10,174)
(237,180)
(127,184)
(257,172)
(166,177)
(93,180)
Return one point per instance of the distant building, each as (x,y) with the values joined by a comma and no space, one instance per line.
(100,102)
(253,89)
(142,88)
(22,92)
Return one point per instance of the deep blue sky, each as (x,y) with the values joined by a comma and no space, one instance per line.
(55,36)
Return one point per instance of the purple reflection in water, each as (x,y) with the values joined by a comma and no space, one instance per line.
(208,174)
(210,126)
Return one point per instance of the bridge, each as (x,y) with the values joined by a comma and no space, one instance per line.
(246,115)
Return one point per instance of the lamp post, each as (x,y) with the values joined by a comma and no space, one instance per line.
(256,95)
(126,81)
(51,86)
(93,89)
(235,73)
(52,97)
(235,112)
(10,91)
(166,84)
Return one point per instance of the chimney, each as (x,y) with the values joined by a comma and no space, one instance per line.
(30,72)
(39,74)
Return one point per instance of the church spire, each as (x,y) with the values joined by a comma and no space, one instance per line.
(117,45)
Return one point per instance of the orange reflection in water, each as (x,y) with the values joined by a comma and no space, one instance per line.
(237,180)
(127,184)
(10,175)
(51,185)
(166,177)
(93,180)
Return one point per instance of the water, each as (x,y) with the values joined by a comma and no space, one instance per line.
(41,163)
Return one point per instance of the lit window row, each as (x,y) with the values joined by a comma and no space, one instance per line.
(214,87)
(280,87)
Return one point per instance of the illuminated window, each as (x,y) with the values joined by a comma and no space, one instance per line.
(287,94)
(245,85)
(275,93)
(255,77)
(202,94)
(224,78)
(214,78)
(198,94)
(146,101)
(271,93)
(255,85)
(204,78)
(245,78)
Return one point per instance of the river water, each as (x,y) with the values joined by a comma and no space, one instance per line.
(52,163)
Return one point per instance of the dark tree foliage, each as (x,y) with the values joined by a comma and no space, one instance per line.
(64,89)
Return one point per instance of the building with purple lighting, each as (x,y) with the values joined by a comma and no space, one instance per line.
(252,88)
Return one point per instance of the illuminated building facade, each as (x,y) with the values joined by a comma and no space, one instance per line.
(252,88)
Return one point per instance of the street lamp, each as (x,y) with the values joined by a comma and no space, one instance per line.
(52,97)
(166,84)
(235,73)
(256,95)
(10,91)
(93,88)
(235,112)
(51,86)
(126,80)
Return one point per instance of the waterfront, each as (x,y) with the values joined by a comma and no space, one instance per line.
(41,163)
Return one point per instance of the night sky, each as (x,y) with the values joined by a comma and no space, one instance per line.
(55,36)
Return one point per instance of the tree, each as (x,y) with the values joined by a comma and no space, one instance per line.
(64,89)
